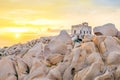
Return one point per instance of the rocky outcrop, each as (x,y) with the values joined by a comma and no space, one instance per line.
(56,58)
(107,30)
(53,59)
(59,44)
(7,69)
(36,50)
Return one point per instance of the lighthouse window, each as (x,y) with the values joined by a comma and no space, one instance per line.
(74,31)
(80,31)
(84,32)
(87,32)
(90,32)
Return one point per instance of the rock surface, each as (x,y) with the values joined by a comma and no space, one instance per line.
(59,44)
(107,30)
(56,58)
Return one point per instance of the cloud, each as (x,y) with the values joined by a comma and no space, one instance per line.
(64,12)
(5,22)
(22,12)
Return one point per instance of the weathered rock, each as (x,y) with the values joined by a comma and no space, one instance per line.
(22,69)
(113,58)
(89,47)
(107,30)
(45,40)
(54,58)
(1,54)
(7,69)
(98,40)
(90,72)
(15,49)
(59,44)
(79,55)
(54,74)
(44,78)
(37,50)
(106,76)
(22,52)
(118,34)
(111,44)
(77,44)
(118,40)
(95,70)
(78,63)
(117,73)
(88,38)
(38,70)
(79,75)
(12,77)
(58,71)
(94,57)
(102,48)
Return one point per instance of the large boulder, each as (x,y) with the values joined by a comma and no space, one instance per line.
(7,69)
(79,55)
(106,76)
(79,75)
(59,44)
(107,30)
(38,70)
(111,44)
(98,40)
(79,59)
(55,74)
(35,51)
(78,63)
(113,58)
(95,70)
(87,38)
(21,68)
(94,57)
(54,58)
(90,72)
(58,71)
(89,47)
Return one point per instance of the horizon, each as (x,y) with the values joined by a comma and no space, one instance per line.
(24,20)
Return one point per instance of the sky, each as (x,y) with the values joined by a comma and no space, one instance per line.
(24,20)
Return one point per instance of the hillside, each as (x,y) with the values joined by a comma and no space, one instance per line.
(96,57)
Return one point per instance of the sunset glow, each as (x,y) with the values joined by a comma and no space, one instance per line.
(24,20)
(15,29)
(17,35)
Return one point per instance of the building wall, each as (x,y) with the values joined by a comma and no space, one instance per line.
(81,30)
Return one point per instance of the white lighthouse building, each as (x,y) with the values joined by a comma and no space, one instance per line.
(80,30)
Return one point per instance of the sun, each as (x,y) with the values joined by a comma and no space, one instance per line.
(17,35)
